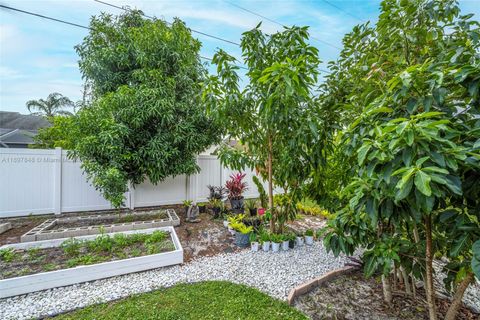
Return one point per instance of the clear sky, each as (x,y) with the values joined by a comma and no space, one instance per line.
(37,56)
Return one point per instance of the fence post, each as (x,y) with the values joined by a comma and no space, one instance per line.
(57,189)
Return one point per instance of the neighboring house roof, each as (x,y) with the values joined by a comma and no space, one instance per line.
(15,120)
(18,130)
(16,137)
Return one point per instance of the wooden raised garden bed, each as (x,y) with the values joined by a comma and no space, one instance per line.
(85,258)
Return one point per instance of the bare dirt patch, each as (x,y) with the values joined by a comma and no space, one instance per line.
(354,297)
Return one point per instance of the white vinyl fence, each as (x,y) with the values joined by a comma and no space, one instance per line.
(38,181)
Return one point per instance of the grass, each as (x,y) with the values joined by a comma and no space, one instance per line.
(203,300)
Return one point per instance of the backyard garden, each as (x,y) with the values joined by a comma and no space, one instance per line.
(366,179)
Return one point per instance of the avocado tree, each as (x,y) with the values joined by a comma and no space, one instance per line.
(274,115)
(145,119)
(411,84)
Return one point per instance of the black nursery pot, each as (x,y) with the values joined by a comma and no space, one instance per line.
(291,244)
(216,212)
(236,203)
(186,211)
(202,209)
(253,212)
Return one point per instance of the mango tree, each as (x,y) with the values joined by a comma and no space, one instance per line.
(274,117)
(145,120)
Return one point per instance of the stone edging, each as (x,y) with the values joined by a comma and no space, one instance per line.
(316,282)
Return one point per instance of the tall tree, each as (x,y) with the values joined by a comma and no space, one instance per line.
(145,120)
(52,106)
(410,84)
(275,115)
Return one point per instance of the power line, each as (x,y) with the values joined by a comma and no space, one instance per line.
(45,17)
(88,28)
(193,30)
(70,23)
(279,23)
(344,11)
(126,8)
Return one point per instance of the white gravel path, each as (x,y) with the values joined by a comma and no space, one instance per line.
(273,273)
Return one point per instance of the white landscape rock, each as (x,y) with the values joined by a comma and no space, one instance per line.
(273,273)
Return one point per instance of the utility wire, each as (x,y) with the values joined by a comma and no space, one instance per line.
(45,17)
(71,24)
(344,11)
(279,23)
(193,30)
(215,37)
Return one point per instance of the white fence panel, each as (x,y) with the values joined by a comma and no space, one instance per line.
(211,172)
(26,182)
(170,191)
(77,193)
(37,181)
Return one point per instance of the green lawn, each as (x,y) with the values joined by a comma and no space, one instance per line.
(204,300)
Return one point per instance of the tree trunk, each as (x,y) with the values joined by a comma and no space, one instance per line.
(406,280)
(430,290)
(387,289)
(457,298)
(270,184)
(414,287)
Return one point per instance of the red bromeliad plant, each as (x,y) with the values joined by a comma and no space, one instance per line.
(236,186)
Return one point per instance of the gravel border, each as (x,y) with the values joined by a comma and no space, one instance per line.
(273,273)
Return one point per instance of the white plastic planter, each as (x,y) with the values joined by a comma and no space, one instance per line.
(64,277)
(254,246)
(309,240)
(285,245)
(266,246)
(275,246)
(299,241)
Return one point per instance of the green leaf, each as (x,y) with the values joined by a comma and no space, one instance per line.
(407,156)
(422,182)
(404,190)
(476,266)
(435,169)
(458,245)
(476,249)
(362,153)
(410,137)
(454,184)
(420,161)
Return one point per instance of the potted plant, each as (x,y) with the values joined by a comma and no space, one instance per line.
(285,242)
(291,240)
(187,204)
(299,240)
(251,205)
(265,241)
(202,207)
(276,241)
(309,237)
(236,186)
(216,207)
(216,192)
(253,242)
(242,234)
